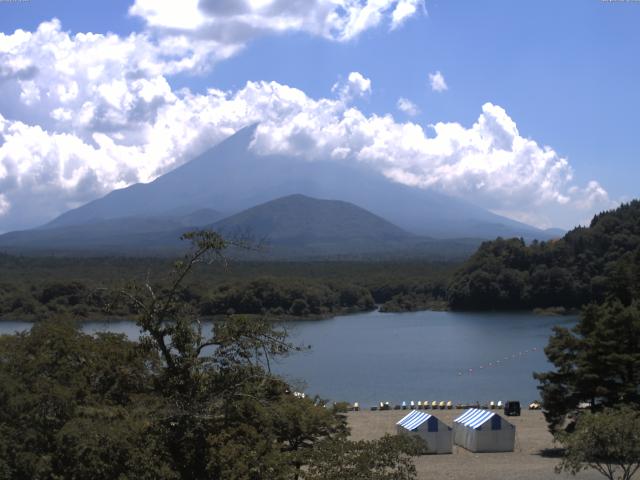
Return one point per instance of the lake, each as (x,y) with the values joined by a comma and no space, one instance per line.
(372,357)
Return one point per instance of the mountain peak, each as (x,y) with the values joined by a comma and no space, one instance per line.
(298,216)
(231,177)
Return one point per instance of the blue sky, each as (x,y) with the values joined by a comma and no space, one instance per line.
(566,73)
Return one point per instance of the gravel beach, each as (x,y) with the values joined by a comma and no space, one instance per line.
(531,460)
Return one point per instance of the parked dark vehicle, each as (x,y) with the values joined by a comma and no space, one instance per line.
(512,408)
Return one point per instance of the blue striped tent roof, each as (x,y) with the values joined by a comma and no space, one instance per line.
(474,417)
(414,420)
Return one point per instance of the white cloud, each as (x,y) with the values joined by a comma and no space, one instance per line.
(236,22)
(83,83)
(355,86)
(87,113)
(591,196)
(358,84)
(4,205)
(437,82)
(405,9)
(407,106)
(184,15)
(489,163)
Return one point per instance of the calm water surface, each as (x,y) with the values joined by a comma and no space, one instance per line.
(369,357)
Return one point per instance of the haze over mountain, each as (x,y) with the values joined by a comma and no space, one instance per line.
(129,235)
(298,219)
(302,208)
(231,177)
(291,227)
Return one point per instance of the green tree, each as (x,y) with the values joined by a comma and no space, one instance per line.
(608,442)
(587,265)
(223,406)
(388,458)
(598,361)
(229,416)
(69,402)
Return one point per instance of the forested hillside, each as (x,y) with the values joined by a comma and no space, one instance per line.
(588,264)
(35,288)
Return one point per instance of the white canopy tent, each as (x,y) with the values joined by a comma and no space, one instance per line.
(436,433)
(483,431)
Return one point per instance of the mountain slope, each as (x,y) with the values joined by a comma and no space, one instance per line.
(115,235)
(292,227)
(231,177)
(297,225)
(298,219)
(304,228)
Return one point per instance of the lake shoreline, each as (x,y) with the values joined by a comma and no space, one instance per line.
(436,307)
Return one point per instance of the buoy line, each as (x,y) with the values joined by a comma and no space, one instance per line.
(499,362)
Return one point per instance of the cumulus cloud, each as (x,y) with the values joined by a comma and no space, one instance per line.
(84,114)
(405,9)
(4,205)
(591,196)
(437,82)
(489,162)
(407,106)
(86,82)
(355,86)
(233,23)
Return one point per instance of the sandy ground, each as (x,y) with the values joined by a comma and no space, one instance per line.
(526,463)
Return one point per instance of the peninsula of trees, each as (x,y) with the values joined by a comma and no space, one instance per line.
(589,264)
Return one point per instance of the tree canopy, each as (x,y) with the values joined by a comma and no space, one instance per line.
(35,288)
(608,442)
(596,362)
(587,265)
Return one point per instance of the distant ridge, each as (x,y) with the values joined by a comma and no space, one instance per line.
(231,177)
(301,225)
(555,232)
(298,218)
(130,235)
(292,227)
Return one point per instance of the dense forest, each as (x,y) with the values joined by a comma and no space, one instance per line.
(589,264)
(596,363)
(36,288)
